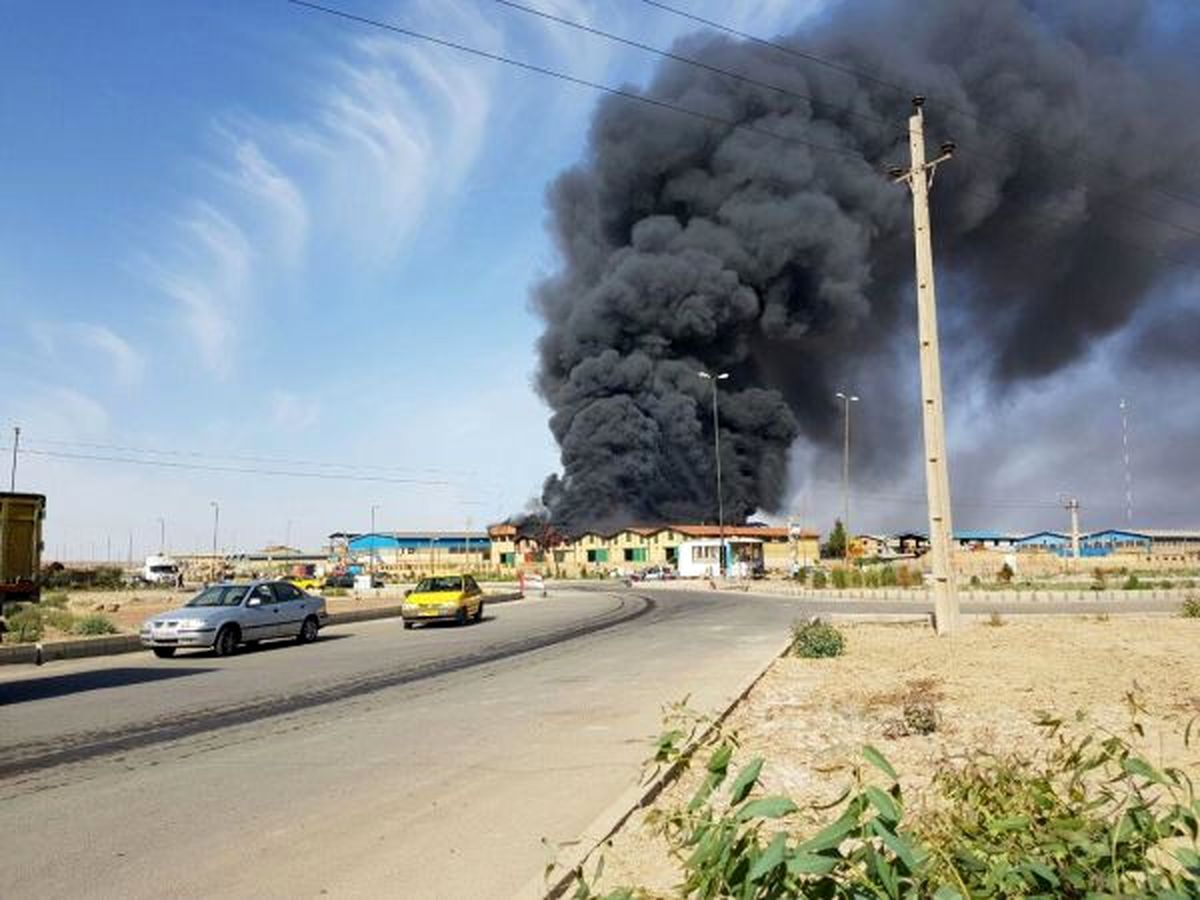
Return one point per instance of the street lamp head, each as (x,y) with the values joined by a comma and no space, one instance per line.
(853,398)
(704,375)
(722,376)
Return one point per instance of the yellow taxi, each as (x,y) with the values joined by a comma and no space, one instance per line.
(303,582)
(456,598)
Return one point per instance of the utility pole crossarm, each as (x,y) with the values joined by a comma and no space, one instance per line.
(918,177)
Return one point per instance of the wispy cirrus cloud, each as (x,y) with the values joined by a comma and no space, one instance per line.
(67,341)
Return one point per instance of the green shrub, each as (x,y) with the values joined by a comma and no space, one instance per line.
(887,576)
(1099,582)
(1005,575)
(906,577)
(871,578)
(59,599)
(1191,607)
(816,639)
(95,624)
(819,580)
(1081,817)
(801,575)
(58,619)
(838,576)
(1132,583)
(24,625)
(975,582)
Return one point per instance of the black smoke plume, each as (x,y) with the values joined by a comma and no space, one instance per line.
(687,245)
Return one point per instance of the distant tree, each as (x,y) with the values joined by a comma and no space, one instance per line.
(1006,573)
(835,547)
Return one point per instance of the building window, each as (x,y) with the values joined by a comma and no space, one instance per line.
(635,554)
(594,556)
(507,559)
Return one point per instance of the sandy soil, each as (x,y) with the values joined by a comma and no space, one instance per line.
(810,718)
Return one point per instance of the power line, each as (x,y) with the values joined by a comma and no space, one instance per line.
(661,104)
(239,470)
(700,64)
(873,79)
(239,458)
(583,82)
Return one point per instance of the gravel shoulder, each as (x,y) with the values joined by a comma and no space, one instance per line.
(810,718)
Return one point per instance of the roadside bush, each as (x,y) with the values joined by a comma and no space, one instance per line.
(906,577)
(871,578)
(58,599)
(887,576)
(1099,581)
(24,626)
(975,582)
(1077,817)
(819,580)
(1005,575)
(816,639)
(58,619)
(1132,583)
(1191,607)
(92,625)
(801,575)
(838,576)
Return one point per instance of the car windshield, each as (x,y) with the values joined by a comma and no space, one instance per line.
(219,595)
(448,583)
(162,569)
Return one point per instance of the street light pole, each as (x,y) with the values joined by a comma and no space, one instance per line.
(374,506)
(846,399)
(162,536)
(717,450)
(216,523)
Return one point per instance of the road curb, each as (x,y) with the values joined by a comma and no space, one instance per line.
(636,797)
(109,645)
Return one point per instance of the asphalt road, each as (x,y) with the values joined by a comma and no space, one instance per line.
(376,762)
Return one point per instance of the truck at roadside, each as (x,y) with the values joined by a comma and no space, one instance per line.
(21,518)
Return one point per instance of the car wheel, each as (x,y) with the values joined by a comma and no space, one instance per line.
(226,642)
(479,612)
(408,626)
(461,617)
(164,652)
(308,631)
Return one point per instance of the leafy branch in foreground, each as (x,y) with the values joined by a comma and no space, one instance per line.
(1082,816)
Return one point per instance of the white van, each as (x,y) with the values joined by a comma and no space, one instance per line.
(160,570)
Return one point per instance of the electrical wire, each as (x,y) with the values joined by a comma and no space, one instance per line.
(239,470)
(583,82)
(275,460)
(873,79)
(700,64)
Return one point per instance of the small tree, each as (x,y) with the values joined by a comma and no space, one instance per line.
(835,547)
(1005,575)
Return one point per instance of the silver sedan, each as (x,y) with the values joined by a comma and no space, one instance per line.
(223,616)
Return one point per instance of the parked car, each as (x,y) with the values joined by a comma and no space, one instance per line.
(656,573)
(225,615)
(340,580)
(458,598)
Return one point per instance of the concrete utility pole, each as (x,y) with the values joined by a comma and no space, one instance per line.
(1125,454)
(1071,504)
(717,445)
(162,536)
(919,177)
(846,399)
(12,482)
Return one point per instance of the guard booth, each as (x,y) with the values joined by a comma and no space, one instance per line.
(21,518)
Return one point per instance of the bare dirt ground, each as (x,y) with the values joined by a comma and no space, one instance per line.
(128,609)
(810,718)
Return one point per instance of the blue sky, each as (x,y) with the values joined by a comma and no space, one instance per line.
(237,230)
